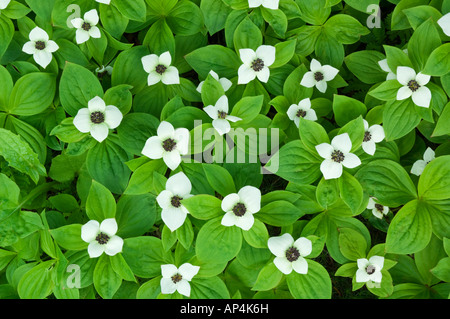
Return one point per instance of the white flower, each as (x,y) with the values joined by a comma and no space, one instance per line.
(178,187)
(108,69)
(319,76)
(413,86)
(256,64)
(419,165)
(159,69)
(302,109)
(4,4)
(269,4)
(444,23)
(372,135)
(289,254)
(369,270)
(177,279)
(378,210)
(240,207)
(86,27)
(98,119)
(101,237)
(104,1)
(226,84)
(219,114)
(336,155)
(40,47)
(169,144)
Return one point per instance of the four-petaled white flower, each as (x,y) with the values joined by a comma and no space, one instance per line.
(302,109)
(169,144)
(378,210)
(98,118)
(269,4)
(219,114)
(419,165)
(226,84)
(413,86)
(102,237)
(319,76)
(240,207)
(444,23)
(86,27)
(40,47)
(178,187)
(104,1)
(4,4)
(177,279)
(159,69)
(256,64)
(372,135)
(369,270)
(336,155)
(289,253)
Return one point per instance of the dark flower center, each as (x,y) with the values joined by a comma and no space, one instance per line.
(318,76)
(40,45)
(160,69)
(86,26)
(379,207)
(257,65)
(102,238)
(97,117)
(239,209)
(413,85)
(367,137)
(292,254)
(176,201)
(169,145)
(301,113)
(337,156)
(370,269)
(176,278)
(222,115)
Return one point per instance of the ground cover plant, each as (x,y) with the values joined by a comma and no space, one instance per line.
(225,149)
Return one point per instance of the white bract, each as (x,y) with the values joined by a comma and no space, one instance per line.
(104,1)
(40,47)
(336,155)
(413,86)
(378,210)
(86,27)
(385,67)
(369,270)
(419,165)
(4,4)
(444,23)
(108,69)
(372,135)
(219,114)
(102,237)
(169,144)
(98,118)
(177,279)
(240,207)
(289,253)
(319,76)
(269,4)
(302,109)
(256,64)
(159,69)
(226,84)
(178,187)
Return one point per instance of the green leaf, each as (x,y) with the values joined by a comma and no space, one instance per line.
(100,203)
(329,50)
(219,179)
(257,236)
(316,284)
(132,9)
(422,43)
(396,57)
(69,237)
(6,88)
(141,181)
(346,109)
(419,14)
(15,10)
(284,52)
(203,206)
(20,155)
(399,118)
(442,269)
(352,244)
(6,33)
(279,213)
(351,191)
(362,5)
(386,91)
(215,13)
(345,28)
(364,65)
(248,108)
(209,288)
(217,243)
(268,278)
(312,134)
(387,181)
(434,182)
(32,94)
(112,20)
(135,215)
(247,35)
(160,38)
(314,13)
(135,129)
(185,18)
(212,90)
(106,280)
(276,19)
(410,230)
(121,267)
(438,63)
(126,71)
(37,283)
